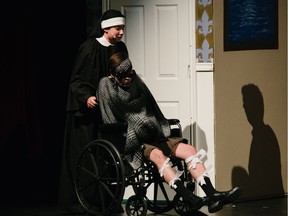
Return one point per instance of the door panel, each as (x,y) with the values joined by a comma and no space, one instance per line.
(157,37)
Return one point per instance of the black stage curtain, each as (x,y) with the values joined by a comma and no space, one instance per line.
(38,41)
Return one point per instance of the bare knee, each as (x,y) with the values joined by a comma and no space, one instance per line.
(183,151)
(157,157)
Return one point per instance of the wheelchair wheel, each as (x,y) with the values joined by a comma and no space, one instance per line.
(161,201)
(136,206)
(99,179)
(180,207)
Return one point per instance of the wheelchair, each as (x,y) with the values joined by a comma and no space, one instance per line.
(102,174)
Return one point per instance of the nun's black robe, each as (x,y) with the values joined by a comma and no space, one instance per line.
(81,123)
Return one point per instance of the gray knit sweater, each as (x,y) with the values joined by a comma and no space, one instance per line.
(135,105)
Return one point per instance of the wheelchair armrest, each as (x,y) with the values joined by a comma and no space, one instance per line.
(175,126)
(174,121)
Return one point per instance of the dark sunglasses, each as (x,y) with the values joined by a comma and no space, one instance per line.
(124,74)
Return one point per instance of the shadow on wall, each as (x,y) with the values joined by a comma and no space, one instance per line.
(200,139)
(263,178)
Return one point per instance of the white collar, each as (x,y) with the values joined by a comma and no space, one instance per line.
(103,41)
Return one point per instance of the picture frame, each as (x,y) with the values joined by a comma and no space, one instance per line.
(250,25)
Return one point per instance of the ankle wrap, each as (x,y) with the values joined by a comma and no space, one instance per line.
(201,179)
(178,173)
(166,164)
(176,178)
(195,159)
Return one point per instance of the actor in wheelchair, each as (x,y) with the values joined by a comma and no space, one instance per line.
(124,97)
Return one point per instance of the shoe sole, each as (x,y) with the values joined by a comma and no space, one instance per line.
(204,202)
(231,197)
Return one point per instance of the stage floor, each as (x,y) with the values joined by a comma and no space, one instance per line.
(265,207)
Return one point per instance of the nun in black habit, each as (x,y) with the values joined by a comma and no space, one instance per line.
(82,111)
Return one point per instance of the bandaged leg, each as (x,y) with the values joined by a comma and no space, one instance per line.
(172,177)
(199,172)
(167,164)
(195,164)
(205,183)
(193,160)
(171,174)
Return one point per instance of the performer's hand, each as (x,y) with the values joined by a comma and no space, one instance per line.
(91,102)
(112,78)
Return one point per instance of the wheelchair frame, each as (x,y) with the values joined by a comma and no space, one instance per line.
(102,174)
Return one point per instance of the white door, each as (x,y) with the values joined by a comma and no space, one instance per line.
(157,37)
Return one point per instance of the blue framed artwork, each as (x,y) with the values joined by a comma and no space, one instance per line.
(250,24)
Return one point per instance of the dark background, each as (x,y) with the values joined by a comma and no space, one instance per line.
(38,43)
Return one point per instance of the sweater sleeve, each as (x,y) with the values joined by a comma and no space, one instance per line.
(103,100)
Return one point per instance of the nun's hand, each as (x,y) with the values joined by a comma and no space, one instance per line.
(91,102)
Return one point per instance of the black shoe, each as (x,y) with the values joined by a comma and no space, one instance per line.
(194,202)
(219,199)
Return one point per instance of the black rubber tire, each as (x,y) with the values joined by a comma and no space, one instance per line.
(100,179)
(136,206)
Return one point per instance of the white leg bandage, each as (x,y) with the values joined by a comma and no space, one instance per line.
(195,159)
(177,177)
(178,173)
(166,164)
(201,179)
